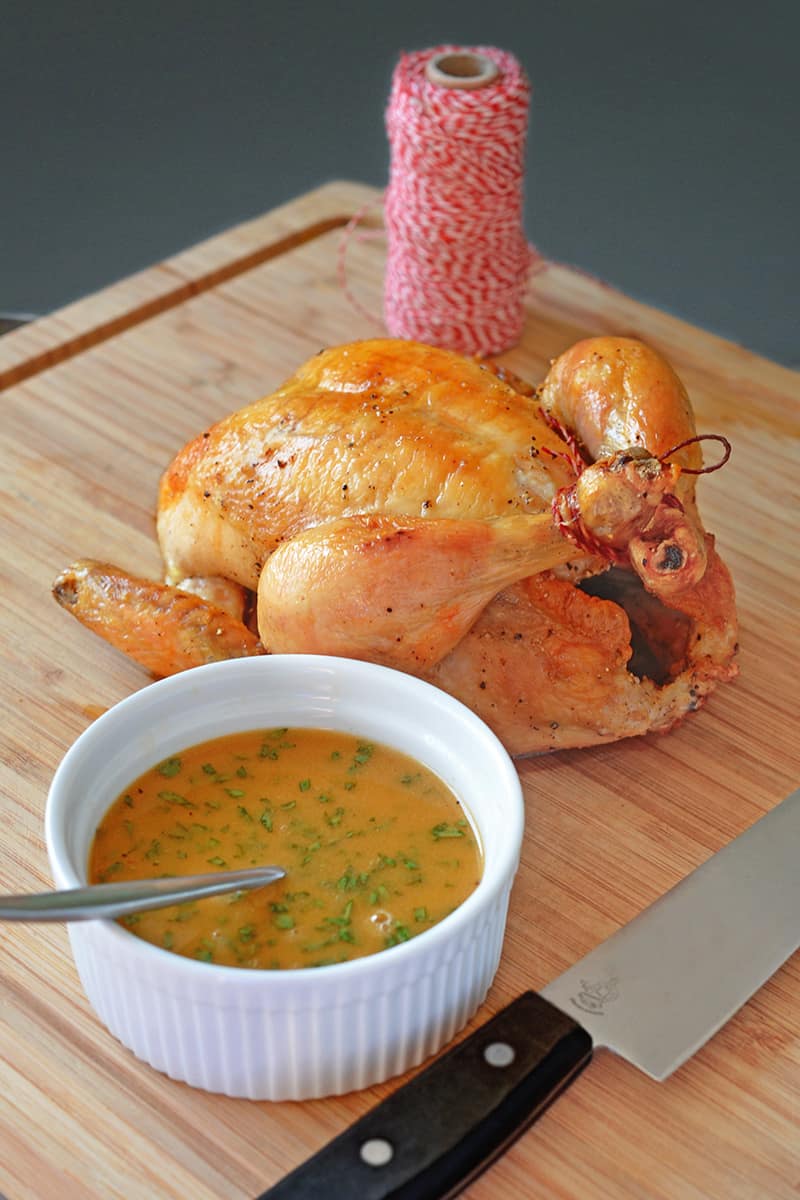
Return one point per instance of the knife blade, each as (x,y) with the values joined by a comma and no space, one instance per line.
(653,992)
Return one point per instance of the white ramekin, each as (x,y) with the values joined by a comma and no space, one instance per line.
(294,1034)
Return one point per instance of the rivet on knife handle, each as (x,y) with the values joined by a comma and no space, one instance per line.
(428,1139)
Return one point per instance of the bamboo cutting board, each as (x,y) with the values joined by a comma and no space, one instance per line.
(95,401)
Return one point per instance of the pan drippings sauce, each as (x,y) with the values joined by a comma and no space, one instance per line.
(376,847)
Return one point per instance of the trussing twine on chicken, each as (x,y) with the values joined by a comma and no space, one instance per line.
(566,511)
(573,455)
(701,437)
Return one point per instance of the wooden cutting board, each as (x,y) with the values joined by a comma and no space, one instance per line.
(95,401)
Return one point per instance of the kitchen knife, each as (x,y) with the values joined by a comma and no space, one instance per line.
(653,992)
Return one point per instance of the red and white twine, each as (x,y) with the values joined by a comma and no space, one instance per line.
(458,260)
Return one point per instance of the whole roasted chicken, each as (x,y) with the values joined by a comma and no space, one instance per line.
(536,553)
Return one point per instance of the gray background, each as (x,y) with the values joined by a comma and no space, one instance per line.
(662,153)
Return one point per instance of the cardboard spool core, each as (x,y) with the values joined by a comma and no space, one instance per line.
(466,71)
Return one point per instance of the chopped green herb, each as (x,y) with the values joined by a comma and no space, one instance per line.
(351,880)
(446,831)
(169,767)
(175,798)
(185,912)
(362,755)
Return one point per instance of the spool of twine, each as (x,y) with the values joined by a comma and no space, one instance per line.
(458,259)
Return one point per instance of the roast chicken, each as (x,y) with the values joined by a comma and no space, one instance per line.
(535,552)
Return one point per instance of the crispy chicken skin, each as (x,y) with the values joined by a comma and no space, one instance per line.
(540,556)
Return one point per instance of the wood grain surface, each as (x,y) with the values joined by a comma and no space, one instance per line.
(97,398)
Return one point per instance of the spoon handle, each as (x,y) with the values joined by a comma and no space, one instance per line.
(108,900)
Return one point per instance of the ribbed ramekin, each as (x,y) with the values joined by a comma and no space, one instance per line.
(293,1034)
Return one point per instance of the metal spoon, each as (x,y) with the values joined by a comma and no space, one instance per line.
(136,895)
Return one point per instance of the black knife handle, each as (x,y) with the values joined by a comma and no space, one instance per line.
(428,1139)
